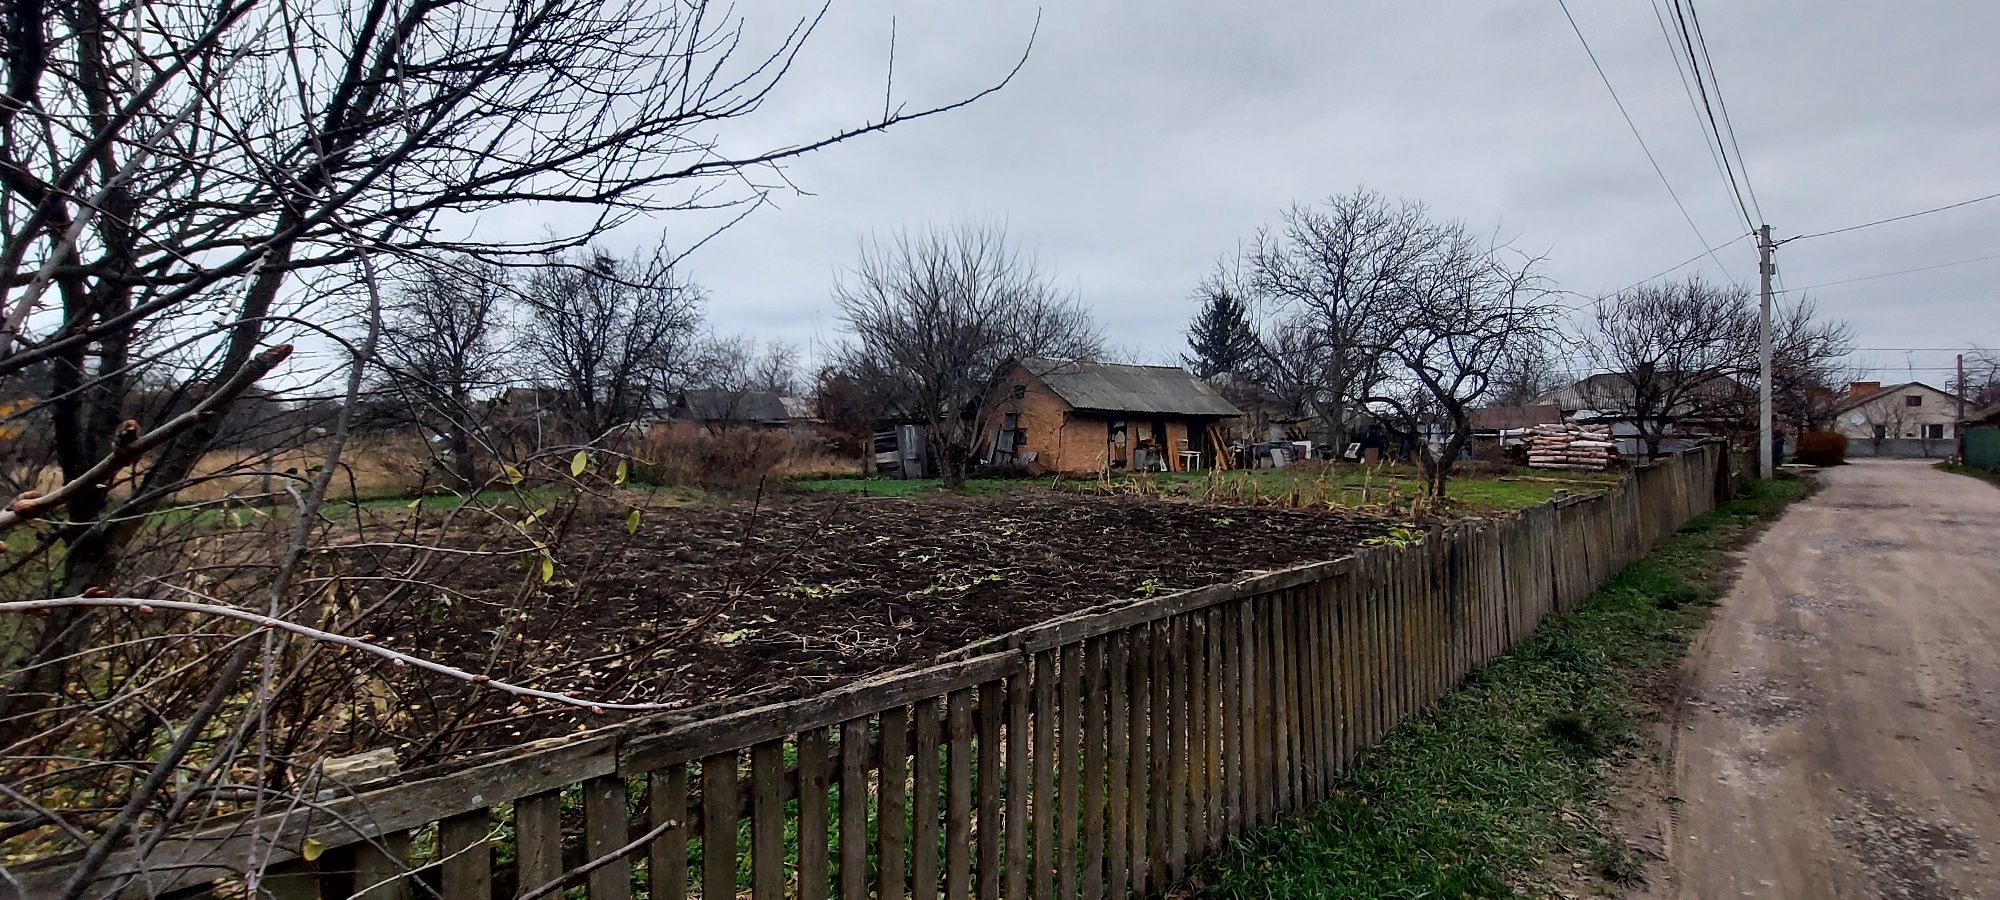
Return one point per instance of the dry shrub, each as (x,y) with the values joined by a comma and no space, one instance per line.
(371,468)
(817,460)
(1822,448)
(732,458)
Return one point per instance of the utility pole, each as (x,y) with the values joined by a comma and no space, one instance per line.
(1958,424)
(1765,269)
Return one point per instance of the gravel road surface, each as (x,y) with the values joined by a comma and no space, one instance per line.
(1838,733)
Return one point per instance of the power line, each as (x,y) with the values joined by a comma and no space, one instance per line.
(1684,264)
(1938,209)
(1586,300)
(1687,90)
(1723,104)
(1637,136)
(1701,83)
(1943,265)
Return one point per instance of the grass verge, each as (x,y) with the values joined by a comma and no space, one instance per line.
(910,487)
(1475,797)
(1346,486)
(1992,478)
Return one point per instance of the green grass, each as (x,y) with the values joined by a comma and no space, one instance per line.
(1477,796)
(1349,486)
(1971,472)
(897,487)
(1354,485)
(447,500)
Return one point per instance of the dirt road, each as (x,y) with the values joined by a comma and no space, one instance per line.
(1839,734)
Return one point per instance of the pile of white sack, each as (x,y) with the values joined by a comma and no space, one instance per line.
(1579,447)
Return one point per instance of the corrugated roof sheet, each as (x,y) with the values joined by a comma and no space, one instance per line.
(1109,387)
(1498,418)
(735,406)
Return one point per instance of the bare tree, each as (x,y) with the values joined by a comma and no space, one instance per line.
(742,363)
(1470,310)
(189,189)
(442,355)
(1809,365)
(1531,373)
(849,408)
(1671,353)
(1341,269)
(935,315)
(1887,421)
(1981,384)
(610,338)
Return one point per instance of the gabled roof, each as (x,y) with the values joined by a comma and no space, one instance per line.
(1108,387)
(733,406)
(1891,390)
(1989,414)
(1500,418)
(800,408)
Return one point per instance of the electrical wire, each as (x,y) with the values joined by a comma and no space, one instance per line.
(1722,103)
(1684,264)
(1687,90)
(1701,83)
(1586,300)
(1926,212)
(1942,265)
(1640,138)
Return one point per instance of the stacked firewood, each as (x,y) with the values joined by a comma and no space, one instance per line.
(1579,447)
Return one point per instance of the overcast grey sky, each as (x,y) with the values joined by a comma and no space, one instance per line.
(1141,141)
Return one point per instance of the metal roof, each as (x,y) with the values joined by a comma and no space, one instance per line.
(735,406)
(1498,418)
(1108,387)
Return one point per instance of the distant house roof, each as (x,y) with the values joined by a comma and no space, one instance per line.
(1501,418)
(762,407)
(1892,390)
(1108,387)
(1609,394)
(535,401)
(801,408)
(1254,399)
(1989,415)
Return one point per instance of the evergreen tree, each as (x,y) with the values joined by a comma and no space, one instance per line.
(1220,334)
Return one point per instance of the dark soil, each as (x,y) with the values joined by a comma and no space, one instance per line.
(792,596)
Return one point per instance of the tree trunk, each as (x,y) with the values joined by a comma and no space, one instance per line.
(949,455)
(465,468)
(1439,473)
(464,465)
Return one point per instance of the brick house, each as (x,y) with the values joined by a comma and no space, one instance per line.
(1048,415)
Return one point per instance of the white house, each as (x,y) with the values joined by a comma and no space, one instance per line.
(1911,419)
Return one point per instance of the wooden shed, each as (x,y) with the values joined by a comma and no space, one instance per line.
(1049,415)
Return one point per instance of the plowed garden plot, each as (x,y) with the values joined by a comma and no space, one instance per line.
(792,596)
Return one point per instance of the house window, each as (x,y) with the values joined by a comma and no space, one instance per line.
(1881,432)
(1018,392)
(1934,432)
(1913,400)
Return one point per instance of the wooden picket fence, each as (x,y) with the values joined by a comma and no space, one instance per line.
(1096,755)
